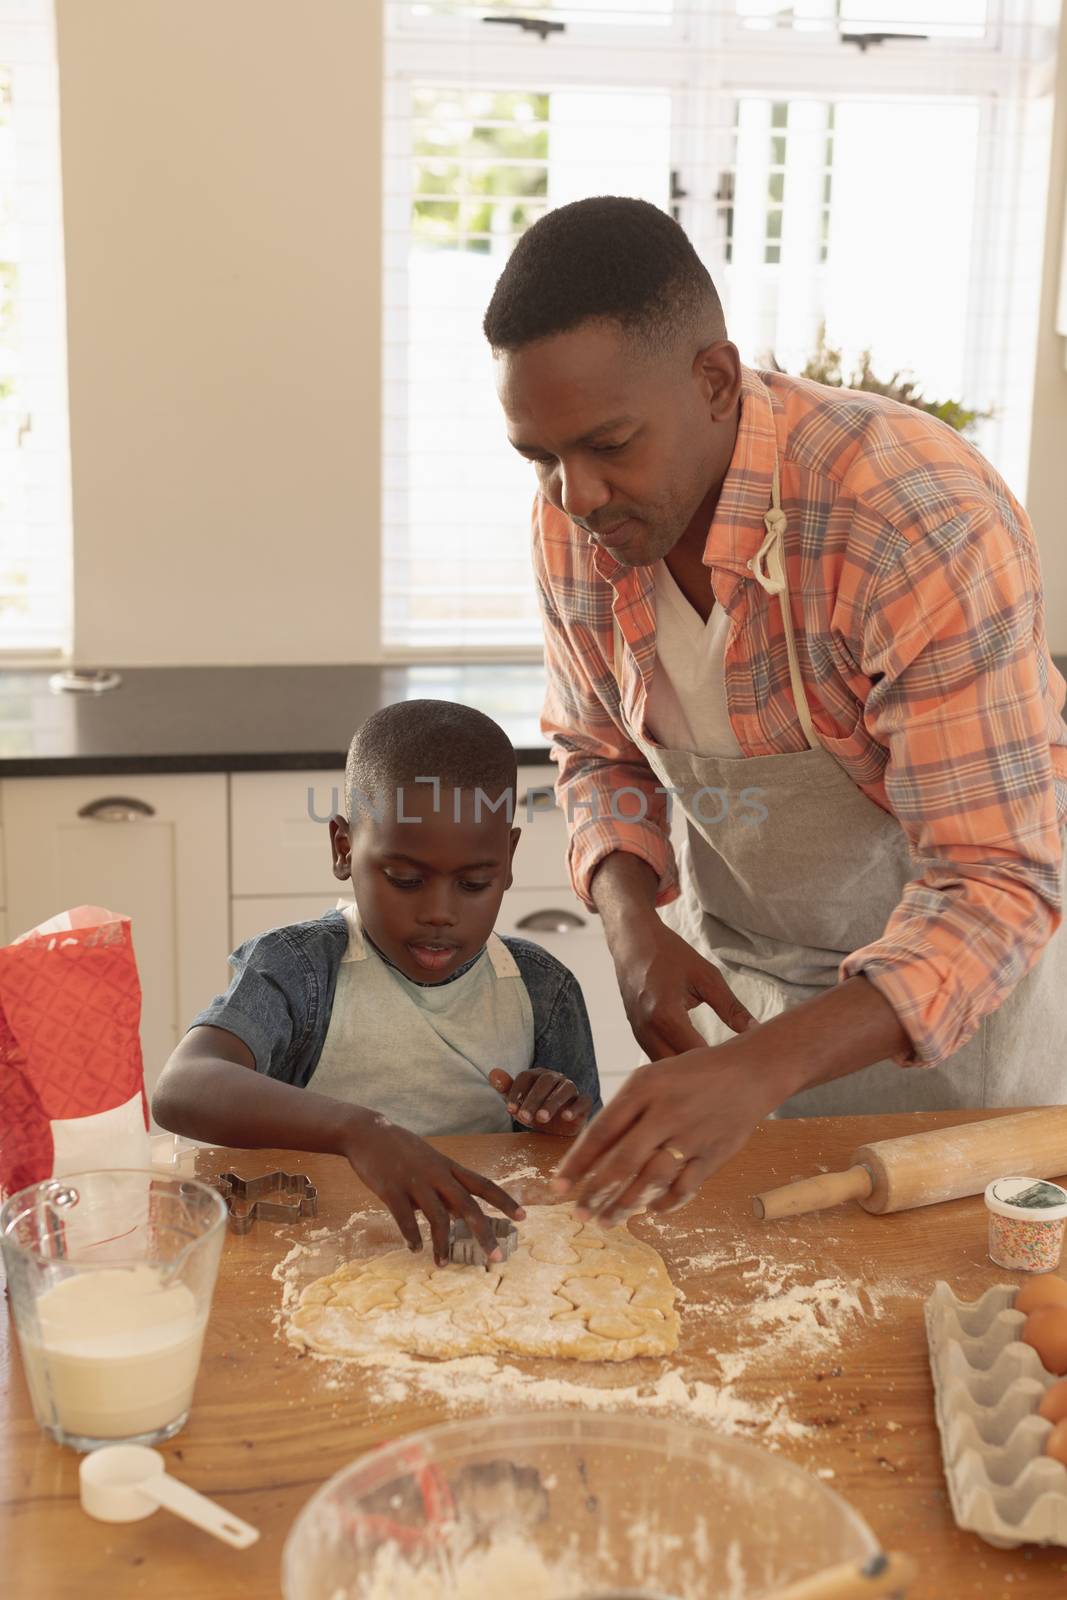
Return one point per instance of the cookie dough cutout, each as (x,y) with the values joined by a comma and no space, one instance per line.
(569,1290)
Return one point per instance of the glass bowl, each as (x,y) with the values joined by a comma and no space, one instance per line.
(555,1506)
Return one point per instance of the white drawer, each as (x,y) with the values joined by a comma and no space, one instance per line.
(541,859)
(583,949)
(252,914)
(279,838)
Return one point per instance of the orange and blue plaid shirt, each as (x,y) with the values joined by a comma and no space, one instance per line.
(917,605)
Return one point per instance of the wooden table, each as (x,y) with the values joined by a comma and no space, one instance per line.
(266,1429)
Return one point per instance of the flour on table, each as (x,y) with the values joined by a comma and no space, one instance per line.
(751,1314)
(571,1290)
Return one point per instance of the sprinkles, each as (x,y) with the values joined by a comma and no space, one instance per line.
(1026,1223)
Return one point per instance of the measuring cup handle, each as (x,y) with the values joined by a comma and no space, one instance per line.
(198,1509)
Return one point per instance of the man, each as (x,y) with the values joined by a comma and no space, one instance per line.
(814,617)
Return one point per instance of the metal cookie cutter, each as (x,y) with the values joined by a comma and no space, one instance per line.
(275,1197)
(464,1248)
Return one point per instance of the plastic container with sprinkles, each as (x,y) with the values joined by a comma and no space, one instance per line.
(1026,1223)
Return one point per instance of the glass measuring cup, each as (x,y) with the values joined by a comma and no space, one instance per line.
(111,1275)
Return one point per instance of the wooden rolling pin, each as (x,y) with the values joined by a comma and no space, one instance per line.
(922,1169)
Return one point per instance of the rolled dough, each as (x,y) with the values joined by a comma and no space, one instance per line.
(568,1289)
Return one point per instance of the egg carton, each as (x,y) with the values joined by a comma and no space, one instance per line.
(987,1387)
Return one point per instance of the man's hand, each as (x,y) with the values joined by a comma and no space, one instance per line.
(661,978)
(548,1101)
(409,1175)
(676,1122)
(672,1124)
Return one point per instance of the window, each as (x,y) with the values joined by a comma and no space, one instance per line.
(940,19)
(879,174)
(35,558)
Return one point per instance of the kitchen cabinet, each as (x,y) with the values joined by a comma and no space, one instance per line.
(152,848)
(253,914)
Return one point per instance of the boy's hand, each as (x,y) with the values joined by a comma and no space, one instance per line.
(548,1101)
(409,1175)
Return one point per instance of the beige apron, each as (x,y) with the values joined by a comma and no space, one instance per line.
(778,901)
(421,1054)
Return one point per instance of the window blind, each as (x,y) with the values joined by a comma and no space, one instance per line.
(35,554)
(868,172)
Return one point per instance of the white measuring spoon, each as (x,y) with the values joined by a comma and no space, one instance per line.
(125,1482)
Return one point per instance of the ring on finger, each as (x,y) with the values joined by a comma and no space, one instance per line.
(679,1155)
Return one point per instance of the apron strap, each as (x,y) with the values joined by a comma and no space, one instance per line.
(618,649)
(768,568)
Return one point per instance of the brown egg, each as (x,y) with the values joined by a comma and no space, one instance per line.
(1046,1330)
(1056,1443)
(1044,1291)
(1053,1405)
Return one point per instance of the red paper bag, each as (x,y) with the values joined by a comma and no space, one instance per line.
(71,1075)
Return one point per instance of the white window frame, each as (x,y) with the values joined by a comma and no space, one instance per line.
(34,22)
(708,59)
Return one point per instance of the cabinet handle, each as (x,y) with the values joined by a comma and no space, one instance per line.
(550,921)
(116,808)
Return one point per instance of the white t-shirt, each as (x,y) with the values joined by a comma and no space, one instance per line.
(686,707)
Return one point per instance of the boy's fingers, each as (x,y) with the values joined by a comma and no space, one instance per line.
(501,1081)
(561,1096)
(520,1088)
(574,1117)
(487,1190)
(404,1217)
(544,1084)
(436,1214)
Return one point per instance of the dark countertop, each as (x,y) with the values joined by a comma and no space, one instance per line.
(245,719)
(242,719)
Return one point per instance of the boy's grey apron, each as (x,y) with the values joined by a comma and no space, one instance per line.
(420,1054)
(778,902)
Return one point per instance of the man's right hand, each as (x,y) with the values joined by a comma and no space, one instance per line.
(409,1176)
(661,979)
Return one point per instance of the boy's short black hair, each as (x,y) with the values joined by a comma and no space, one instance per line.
(461,747)
(606,258)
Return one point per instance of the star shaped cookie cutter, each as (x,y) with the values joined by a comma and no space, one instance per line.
(464,1248)
(275,1197)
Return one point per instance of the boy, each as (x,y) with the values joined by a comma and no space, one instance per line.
(405,1013)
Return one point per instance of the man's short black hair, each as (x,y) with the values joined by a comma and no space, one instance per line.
(461,747)
(605,259)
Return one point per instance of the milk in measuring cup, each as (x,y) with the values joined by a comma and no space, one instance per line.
(118,1351)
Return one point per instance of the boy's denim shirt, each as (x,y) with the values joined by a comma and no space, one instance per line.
(281,995)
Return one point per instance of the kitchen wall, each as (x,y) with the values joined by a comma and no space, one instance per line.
(221,168)
(1047,491)
(221,205)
